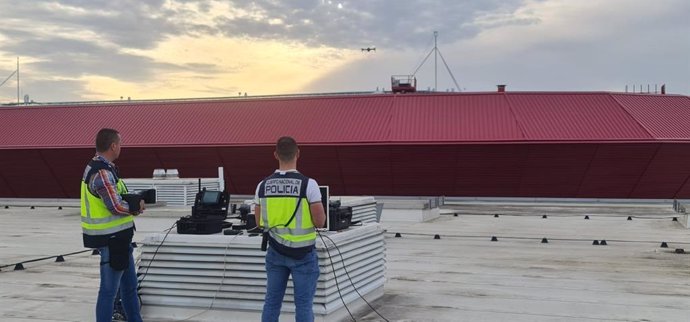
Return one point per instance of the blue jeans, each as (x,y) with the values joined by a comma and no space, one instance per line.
(305,274)
(111,280)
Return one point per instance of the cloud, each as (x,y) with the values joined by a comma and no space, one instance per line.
(567,45)
(117,42)
(351,24)
(125,23)
(156,47)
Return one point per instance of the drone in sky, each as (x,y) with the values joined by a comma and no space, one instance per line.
(368,49)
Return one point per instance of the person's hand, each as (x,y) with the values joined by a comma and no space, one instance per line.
(141,206)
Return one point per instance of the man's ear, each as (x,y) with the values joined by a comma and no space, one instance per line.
(275,155)
(297,155)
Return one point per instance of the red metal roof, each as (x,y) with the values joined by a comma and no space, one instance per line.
(452,118)
(590,145)
(664,117)
(582,117)
(362,119)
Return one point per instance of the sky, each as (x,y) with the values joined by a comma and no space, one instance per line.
(77,50)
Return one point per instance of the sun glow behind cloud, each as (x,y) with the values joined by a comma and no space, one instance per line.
(221,66)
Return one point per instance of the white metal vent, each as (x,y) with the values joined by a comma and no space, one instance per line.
(363,208)
(228,272)
(175,192)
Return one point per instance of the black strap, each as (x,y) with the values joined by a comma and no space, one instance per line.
(97,165)
(295,212)
(302,195)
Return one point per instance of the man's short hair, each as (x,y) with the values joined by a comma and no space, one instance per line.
(105,138)
(286,148)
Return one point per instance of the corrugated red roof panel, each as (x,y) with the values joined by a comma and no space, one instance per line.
(582,117)
(453,118)
(663,116)
(362,119)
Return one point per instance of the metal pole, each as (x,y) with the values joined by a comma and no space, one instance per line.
(435,64)
(17,80)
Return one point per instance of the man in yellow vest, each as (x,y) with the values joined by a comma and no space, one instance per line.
(108,224)
(288,207)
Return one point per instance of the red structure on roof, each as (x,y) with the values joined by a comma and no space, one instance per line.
(515,144)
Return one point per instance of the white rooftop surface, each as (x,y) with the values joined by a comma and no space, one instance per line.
(462,276)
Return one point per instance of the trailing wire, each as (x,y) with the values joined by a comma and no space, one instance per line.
(151,261)
(348,277)
(336,276)
(532,238)
(220,285)
(45,258)
(560,215)
(225,254)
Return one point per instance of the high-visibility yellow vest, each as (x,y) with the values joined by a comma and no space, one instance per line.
(96,219)
(278,197)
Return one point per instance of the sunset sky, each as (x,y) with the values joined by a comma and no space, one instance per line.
(76,50)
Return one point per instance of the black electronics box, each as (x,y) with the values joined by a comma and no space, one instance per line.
(211,205)
(187,225)
(148,195)
(339,217)
(208,214)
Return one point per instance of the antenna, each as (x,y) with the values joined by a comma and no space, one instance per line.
(437,53)
(435,62)
(17,80)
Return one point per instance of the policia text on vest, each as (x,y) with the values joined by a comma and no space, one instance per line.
(282,187)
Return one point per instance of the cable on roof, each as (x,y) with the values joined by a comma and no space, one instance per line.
(421,234)
(56,257)
(496,215)
(348,277)
(139,283)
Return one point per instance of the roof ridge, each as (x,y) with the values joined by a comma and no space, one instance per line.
(651,136)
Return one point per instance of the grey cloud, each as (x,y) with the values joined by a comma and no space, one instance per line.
(117,25)
(131,24)
(42,91)
(74,58)
(394,24)
(209,68)
(628,47)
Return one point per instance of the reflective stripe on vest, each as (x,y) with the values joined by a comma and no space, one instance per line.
(96,219)
(300,232)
